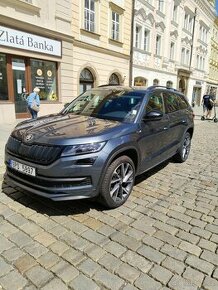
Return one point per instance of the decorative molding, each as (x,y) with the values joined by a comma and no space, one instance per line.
(141,12)
(186,40)
(174,33)
(161,25)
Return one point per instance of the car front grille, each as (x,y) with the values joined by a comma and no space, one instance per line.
(40,154)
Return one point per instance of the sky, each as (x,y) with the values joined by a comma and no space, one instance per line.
(216,7)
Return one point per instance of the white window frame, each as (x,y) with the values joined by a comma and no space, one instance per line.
(172,50)
(146,39)
(115,25)
(89,24)
(175,12)
(160,5)
(138,30)
(183,55)
(158,45)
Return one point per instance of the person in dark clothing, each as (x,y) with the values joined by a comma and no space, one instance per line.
(208,103)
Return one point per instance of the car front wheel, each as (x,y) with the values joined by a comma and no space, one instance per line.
(184,150)
(118,182)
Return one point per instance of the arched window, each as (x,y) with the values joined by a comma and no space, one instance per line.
(114,79)
(155,82)
(86,80)
(140,81)
(169,84)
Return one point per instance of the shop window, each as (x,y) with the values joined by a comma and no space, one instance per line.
(44,76)
(114,80)
(86,80)
(3,78)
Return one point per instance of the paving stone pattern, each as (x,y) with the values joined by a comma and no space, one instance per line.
(164,237)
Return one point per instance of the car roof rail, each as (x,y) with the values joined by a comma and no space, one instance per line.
(165,87)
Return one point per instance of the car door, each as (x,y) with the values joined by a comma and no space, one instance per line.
(177,119)
(154,133)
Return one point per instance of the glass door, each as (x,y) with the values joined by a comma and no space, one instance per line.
(19,81)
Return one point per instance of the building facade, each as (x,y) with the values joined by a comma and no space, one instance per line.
(36,49)
(172,44)
(62,47)
(102,31)
(212,81)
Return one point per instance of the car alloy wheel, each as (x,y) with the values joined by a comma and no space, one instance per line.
(118,182)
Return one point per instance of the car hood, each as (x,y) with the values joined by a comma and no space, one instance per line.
(69,129)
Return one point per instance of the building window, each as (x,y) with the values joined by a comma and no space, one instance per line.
(203,34)
(155,82)
(160,5)
(169,84)
(188,22)
(158,44)
(115,26)
(140,81)
(172,50)
(114,79)
(86,80)
(89,15)
(137,36)
(146,40)
(3,78)
(183,56)
(175,9)
(187,57)
(44,76)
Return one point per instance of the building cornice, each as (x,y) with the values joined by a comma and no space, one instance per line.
(96,48)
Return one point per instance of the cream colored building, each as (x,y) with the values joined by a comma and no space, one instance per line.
(36,49)
(212,81)
(172,44)
(102,32)
(62,47)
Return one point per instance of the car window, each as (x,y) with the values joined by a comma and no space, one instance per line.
(155,102)
(116,105)
(171,102)
(183,103)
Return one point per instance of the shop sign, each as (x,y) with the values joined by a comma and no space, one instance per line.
(19,39)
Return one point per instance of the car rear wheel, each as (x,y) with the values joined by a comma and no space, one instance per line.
(118,182)
(184,150)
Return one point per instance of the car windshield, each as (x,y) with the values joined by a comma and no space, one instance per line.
(119,105)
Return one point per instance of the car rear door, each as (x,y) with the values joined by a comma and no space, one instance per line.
(154,136)
(177,119)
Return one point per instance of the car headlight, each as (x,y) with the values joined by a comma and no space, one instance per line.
(83,149)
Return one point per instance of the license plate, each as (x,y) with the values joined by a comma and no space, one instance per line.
(22,168)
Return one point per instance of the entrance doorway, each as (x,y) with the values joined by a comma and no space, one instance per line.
(19,85)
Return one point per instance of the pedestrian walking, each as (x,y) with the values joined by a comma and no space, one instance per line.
(207,103)
(33,103)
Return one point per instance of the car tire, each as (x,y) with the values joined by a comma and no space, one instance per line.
(184,150)
(118,182)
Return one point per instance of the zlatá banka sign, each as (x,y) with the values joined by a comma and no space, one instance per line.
(19,39)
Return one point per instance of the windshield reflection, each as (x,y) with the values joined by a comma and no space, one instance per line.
(118,105)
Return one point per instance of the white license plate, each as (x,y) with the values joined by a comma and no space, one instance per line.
(22,167)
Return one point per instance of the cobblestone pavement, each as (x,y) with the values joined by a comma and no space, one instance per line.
(164,237)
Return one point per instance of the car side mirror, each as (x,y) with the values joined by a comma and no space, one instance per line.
(153,115)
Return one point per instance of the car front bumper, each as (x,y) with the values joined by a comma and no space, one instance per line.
(67,178)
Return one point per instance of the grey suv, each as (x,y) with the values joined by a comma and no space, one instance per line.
(98,144)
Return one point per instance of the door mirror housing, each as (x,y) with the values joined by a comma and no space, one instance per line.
(153,115)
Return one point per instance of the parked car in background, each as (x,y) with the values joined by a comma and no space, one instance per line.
(98,144)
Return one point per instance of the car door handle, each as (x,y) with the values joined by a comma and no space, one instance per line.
(166,128)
